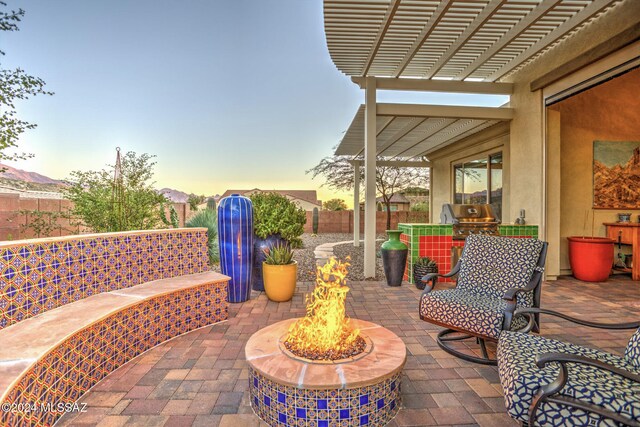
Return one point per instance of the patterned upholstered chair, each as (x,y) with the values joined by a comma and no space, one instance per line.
(552,383)
(495,275)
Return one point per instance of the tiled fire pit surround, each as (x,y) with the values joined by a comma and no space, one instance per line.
(288,391)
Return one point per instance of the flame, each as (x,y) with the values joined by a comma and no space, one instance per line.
(325,328)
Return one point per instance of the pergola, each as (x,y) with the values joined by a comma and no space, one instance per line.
(466,46)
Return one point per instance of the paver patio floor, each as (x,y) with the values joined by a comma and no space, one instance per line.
(200,379)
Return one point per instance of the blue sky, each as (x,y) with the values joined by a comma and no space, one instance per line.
(227,94)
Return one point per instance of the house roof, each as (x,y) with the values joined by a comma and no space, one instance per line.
(310,196)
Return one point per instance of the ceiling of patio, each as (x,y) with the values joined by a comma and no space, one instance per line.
(473,40)
(410,137)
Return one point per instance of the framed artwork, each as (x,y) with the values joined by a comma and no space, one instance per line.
(616,174)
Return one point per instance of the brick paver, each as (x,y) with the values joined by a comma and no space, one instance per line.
(200,378)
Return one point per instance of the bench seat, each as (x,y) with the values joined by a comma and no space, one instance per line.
(57,356)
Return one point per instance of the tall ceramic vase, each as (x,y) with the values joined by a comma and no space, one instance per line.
(235,237)
(394,258)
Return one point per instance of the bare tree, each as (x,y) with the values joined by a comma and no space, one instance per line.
(339,175)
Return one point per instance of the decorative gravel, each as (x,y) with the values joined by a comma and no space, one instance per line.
(307,260)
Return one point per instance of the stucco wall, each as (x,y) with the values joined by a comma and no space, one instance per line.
(609,112)
(493,139)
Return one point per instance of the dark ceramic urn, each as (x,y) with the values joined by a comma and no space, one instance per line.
(394,258)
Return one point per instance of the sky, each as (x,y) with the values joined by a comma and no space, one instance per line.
(227,94)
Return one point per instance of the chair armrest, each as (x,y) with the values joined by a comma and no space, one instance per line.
(533,310)
(430,279)
(551,392)
(543,359)
(510,294)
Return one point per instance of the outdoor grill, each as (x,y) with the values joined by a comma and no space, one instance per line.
(469,219)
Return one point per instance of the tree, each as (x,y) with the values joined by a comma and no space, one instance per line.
(420,207)
(14,85)
(334,205)
(92,194)
(338,173)
(194,201)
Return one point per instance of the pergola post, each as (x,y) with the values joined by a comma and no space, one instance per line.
(370,178)
(356,205)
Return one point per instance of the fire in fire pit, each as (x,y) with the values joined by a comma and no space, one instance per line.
(325,333)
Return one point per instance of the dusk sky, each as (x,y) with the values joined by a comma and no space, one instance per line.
(227,94)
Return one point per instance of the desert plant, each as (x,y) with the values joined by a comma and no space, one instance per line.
(315,220)
(420,207)
(279,254)
(136,208)
(334,205)
(211,204)
(173,220)
(275,214)
(207,218)
(421,267)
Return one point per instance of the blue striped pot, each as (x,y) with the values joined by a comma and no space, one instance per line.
(235,237)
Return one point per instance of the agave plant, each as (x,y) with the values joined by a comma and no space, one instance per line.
(207,218)
(426,262)
(279,254)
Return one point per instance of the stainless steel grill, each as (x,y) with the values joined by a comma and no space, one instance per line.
(469,219)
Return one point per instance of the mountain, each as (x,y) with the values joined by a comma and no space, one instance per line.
(176,196)
(20,175)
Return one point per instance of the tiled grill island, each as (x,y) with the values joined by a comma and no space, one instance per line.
(436,241)
(290,391)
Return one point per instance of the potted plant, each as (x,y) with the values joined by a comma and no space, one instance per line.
(276,219)
(280,272)
(421,267)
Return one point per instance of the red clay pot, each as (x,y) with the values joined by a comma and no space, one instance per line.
(591,258)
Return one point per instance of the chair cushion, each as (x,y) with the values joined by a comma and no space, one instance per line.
(492,265)
(632,353)
(521,378)
(467,311)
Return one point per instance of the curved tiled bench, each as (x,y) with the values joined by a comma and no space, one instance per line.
(55,357)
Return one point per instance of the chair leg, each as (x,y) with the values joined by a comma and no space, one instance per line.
(445,336)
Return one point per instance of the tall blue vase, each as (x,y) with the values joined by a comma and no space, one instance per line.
(235,237)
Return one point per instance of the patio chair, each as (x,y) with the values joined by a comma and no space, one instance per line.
(495,275)
(552,383)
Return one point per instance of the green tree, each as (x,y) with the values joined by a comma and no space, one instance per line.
(334,205)
(273,213)
(15,85)
(338,174)
(420,207)
(92,194)
(194,201)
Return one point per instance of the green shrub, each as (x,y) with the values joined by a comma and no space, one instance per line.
(275,214)
(208,219)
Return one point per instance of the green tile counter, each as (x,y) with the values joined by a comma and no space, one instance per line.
(436,240)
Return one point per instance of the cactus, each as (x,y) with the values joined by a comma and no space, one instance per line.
(315,220)
(173,220)
(211,204)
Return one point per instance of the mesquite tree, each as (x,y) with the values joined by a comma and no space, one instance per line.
(339,174)
(14,85)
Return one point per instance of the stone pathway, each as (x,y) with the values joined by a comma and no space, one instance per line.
(325,251)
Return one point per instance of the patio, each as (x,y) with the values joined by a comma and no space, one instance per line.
(200,378)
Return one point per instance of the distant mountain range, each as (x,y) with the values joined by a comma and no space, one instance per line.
(18,179)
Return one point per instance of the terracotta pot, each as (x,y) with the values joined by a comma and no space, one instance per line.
(280,281)
(591,258)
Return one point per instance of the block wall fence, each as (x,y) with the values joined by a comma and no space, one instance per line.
(12,221)
(342,221)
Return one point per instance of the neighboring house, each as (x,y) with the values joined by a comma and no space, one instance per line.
(306,199)
(398,203)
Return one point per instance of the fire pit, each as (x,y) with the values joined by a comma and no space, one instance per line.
(325,369)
